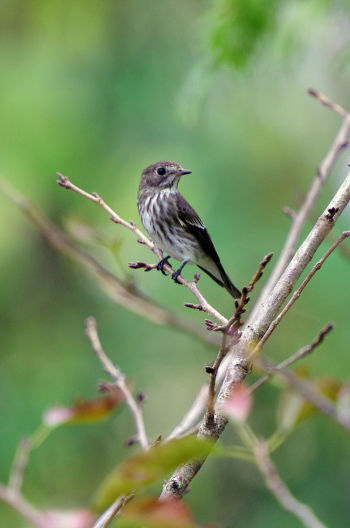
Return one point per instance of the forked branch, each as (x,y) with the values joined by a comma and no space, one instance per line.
(119,380)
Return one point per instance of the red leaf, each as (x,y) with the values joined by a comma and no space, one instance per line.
(169,513)
(83,411)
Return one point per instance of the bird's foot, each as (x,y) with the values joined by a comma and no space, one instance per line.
(178,272)
(175,275)
(160,265)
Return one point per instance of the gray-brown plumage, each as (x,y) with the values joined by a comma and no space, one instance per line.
(174,226)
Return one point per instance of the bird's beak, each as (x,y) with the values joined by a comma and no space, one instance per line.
(184,171)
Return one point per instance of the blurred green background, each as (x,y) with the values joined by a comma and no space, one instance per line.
(99,90)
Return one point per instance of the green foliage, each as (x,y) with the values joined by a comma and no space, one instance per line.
(240,29)
(239,26)
(145,468)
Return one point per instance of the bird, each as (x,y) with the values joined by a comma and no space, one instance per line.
(175,227)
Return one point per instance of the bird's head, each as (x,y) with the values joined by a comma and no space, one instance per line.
(163,175)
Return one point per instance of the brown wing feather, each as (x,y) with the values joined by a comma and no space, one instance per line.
(190,219)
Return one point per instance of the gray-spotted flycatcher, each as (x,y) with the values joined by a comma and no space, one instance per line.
(174,226)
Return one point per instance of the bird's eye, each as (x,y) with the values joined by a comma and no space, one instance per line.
(161,171)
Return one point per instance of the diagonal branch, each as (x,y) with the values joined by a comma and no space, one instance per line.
(309,392)
(120,292)
(19,465)
(299,218)
(271,306)
(230,336)
(64,181)
(119,380)
(278,488)
(113,511)
(297,293)
(240,365)
(301,353)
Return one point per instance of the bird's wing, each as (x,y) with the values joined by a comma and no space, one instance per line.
(187,215)
(211,264)
(191,221)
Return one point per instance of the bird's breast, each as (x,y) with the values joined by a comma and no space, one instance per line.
(158,213)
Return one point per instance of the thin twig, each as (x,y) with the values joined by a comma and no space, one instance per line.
(17,502)
(64,181)
(212,371)
(323,171)
(327,102)
(280,491)
(113,511)
(120,292)
(309,392)
(231,329)
(297,293)
(343,249)
(206,395)
(19,465)
(301,353)
(204,306)
(119,380)
(240,305)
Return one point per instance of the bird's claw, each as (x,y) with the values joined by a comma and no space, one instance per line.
(175,275)
(161,263)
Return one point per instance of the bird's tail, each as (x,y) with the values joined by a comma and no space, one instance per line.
(220,276)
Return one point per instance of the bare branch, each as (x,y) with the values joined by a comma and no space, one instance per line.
(298,292)
(64,181)
(308,391)
(113,511)
(240,365)
(120,292)
(19,465)
(282,494)
(327,102)
(231,330)
(343,249)
(178,484)
(299,218)
(19,504)
(119,380)
(289,212)
(240,305)
(212,371)
(301,353)
(204,306)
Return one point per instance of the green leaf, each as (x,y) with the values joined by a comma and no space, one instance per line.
(145,468)
(238,28)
